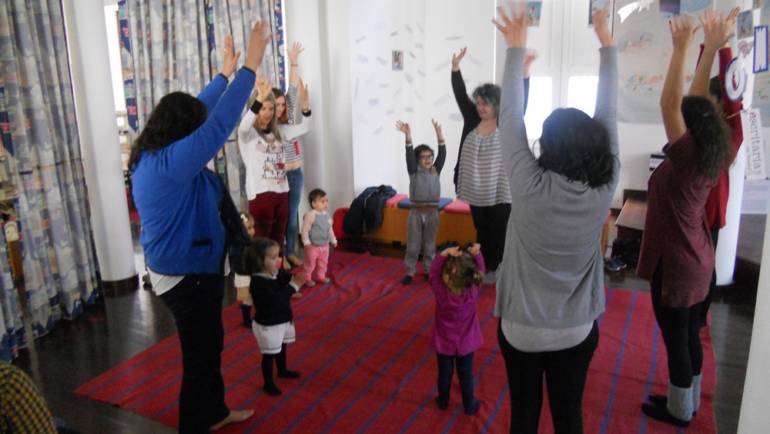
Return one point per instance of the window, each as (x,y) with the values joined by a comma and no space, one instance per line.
(581,93)
(539,106)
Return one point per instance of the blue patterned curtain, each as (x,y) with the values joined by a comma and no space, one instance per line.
(170,45)
(43,149)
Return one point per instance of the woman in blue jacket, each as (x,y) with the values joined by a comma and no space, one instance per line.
(182,235)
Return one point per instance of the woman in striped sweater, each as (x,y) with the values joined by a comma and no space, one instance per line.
(480,179)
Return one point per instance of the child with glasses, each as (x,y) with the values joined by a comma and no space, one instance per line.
(424,193)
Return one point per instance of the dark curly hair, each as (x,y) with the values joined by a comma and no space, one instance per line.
(420,149)
(176,116)
(461,272)
(490,93)
(577,146)
(254,254)
(711,134)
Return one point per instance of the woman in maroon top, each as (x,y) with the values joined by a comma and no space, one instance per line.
(677,254)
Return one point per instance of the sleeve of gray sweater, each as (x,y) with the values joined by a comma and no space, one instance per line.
(524,173)
(607,102)
(523,170)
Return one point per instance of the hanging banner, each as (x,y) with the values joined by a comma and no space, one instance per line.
(751,121)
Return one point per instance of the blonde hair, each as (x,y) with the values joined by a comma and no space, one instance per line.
(273,122)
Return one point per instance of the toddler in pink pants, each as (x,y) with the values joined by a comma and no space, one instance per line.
(317,234)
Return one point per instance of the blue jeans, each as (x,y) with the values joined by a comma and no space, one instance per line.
(296,181)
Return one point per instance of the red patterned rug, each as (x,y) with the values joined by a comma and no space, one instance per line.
(362,347)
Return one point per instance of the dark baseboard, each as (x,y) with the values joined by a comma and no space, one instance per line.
(116,288)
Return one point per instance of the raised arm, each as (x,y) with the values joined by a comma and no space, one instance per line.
(519,162)
(187,157)
(717,31)
(607,93)
(411,159)
(682,30)
(213,91)
(464,102)
(300,128)
(441,157)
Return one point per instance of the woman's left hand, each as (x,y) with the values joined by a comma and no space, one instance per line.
(229,57)
(304,96)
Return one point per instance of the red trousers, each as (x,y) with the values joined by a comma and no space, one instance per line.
(271,214)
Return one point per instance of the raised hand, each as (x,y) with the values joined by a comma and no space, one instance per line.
(437,128)
(474,249)
(263,88)
(257,43)
(682,31)
(514,28)
(294,52)
(404,128)
(451,251)
(229,57)
(717,30)
(601,27)
(457,58)
(304,96)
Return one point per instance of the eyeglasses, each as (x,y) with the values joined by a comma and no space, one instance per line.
(426,157)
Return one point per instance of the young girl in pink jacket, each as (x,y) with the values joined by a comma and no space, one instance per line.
(455,277)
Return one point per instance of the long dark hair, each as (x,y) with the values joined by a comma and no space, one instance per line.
(177,115)
(577,146)
(711,134)
(254,254)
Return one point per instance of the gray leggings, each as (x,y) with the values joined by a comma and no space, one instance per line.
(422,226)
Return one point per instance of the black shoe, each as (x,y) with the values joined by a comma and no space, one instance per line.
(442,404)
(271,389)
(473,407)
(661,413)
(407,280)
(614,265)
(288,374)
(661,401)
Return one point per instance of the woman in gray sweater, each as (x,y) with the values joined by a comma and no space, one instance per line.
(550,287)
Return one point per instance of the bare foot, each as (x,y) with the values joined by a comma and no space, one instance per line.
(235,416)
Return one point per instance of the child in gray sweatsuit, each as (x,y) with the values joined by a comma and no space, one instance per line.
(424,193)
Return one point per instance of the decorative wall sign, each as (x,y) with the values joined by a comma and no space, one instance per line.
(754,143)
(735,80)
(760,49)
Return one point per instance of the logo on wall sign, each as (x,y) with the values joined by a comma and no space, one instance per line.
(735,80)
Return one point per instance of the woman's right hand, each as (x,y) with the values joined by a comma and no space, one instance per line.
(514,28)
(716,30)
(457,58)
(404,128)
(601,27)
(263,88)
(294,52)
(257,43)
(682,31)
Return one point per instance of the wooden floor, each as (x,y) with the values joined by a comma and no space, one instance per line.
(121,326)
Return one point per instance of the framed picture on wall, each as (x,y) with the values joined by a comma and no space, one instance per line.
(670,6)
(597,5)
(534,10)
(745,24)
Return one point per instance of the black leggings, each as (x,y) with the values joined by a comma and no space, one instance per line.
(713,285)
(446,365)
(565,374)
(267,364)
(680,328)
(491,223)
